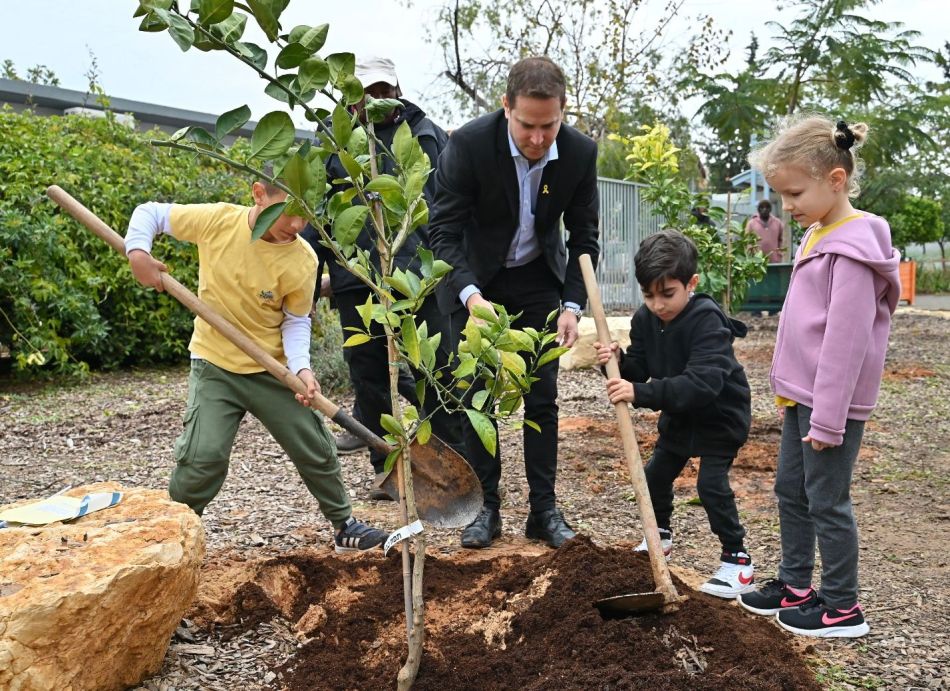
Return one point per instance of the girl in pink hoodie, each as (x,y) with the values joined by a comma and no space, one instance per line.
(826,371)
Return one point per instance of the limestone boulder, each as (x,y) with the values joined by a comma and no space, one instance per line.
(582,353)
(92,604)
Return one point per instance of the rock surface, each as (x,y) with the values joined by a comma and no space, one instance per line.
(582,354)
(92,604)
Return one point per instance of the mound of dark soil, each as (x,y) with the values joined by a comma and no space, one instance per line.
(511,622)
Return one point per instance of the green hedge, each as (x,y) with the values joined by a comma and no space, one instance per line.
(68,302)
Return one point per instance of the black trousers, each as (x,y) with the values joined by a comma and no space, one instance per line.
(533,290)
(713,488)
(369,374)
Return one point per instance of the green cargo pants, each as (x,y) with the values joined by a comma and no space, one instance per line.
(217,402)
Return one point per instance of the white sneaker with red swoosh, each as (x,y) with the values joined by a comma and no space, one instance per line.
(823,621)
(735,575)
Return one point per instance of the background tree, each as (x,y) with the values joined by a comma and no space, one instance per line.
(612,70)
(830,57)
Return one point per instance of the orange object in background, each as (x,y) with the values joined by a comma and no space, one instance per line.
(908,277)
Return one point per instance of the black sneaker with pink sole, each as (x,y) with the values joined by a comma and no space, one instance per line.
(774,597)
(822,621)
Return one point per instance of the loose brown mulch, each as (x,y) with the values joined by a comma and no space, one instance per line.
(121,426)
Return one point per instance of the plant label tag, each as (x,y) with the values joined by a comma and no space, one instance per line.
(413,528)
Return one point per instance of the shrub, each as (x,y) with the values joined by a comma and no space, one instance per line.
(932,280)
(68,302)
(326,351)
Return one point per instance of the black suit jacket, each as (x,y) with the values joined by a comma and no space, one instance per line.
(475,213)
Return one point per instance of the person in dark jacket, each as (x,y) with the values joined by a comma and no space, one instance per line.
(506,183)
(368,363)
(680,361)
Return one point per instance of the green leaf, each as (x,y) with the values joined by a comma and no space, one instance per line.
(466,367)
(479,399)
(178,28)
(273,134)
(482,312)
(355,340)
(533,425)
(230,121)
(312,38)
(552,354)
(366,311)
(352,166)
(404,146)
(514,363)
(410,340)
(298,175)
(392,425)
(378,109)
(313,74)
(214,11)
(152,24)
(424,432)
(265,16)
(440,268)
(383,183)
(292,55)
(348,224)
(484,428)
(352,89)
(391,459)
(410,414)
(341,65)
(266,219)
(254,53)
(202,137)
(342,125)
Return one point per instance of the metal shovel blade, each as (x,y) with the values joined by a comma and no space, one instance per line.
(448,494)
(629,605)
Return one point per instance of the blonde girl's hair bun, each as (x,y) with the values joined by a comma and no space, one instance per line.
(847,137)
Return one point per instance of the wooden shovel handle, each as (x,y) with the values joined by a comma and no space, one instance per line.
(75,209)
(661,573)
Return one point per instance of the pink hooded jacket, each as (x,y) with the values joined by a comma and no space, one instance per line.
(833,331)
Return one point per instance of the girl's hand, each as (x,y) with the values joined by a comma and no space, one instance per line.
(815,444)
(605,351)
(781,411)
(619,390)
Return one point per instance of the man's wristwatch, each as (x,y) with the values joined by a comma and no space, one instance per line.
(576,311)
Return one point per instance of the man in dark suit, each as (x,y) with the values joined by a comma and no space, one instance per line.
(504,183)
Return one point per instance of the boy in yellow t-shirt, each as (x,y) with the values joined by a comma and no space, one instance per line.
(265,288)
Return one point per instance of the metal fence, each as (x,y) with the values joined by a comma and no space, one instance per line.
(625,219)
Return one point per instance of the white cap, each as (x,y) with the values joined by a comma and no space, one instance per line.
(373,70)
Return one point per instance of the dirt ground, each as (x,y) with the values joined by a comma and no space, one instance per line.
(276,609)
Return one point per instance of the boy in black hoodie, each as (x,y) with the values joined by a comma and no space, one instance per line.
(681,362)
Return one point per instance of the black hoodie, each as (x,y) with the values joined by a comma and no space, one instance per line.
(688,370)
(432,139)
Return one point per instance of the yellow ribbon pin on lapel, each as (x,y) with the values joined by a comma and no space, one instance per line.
(544,190)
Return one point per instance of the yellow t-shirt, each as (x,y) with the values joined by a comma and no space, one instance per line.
(248,283)
(812,240)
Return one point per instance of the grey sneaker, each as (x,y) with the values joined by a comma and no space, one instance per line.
(347,443)
(356,536)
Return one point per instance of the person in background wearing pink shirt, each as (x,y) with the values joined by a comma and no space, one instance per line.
(770,230)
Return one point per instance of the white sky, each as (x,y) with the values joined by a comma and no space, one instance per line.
(151,67)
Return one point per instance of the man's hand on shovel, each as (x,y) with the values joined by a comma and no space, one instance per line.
(147,269)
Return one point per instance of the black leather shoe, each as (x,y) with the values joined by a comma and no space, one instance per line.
(485,528)
(549,526)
